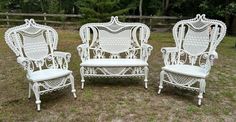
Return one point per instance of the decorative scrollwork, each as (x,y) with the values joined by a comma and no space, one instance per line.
(122,38)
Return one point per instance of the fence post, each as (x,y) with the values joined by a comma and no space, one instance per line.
(150,23)
(78,23)
(63,21)
(7,18)
(45,18)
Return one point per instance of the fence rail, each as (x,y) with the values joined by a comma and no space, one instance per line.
(73,20)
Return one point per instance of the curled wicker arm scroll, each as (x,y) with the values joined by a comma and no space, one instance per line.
(83,52)
(24,62)
(146,51)
(210,61)
(169,55)
(212,57)
(62,59)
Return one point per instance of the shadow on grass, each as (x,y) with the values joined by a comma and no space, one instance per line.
(119,82)
(180,94)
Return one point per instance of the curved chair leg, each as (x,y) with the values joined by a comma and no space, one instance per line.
(72,85)
(145,76)
(201,91)
(204,90)
(37,95)
(30,87)
(82,77)
(161,82)
(200,97)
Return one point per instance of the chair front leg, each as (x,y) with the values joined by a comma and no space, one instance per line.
(82,77)
(201,91)
(161,82)
(146,76)
(36,91)
(72,85)
(30,88)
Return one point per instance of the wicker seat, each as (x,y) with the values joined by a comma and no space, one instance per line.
(47,69)
(189,70)
(114,62)
(114,49)
(189,63)
(48,74)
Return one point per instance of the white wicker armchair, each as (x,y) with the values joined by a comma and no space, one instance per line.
(47,69)
(189,63)
(114,49)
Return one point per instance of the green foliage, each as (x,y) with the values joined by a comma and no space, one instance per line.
(3,5)
(27,6)
(38,6)
(231,8)
(152,7)
(101,10)
(218,8)
(53,6)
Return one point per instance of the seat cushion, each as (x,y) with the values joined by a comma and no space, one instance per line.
(47,74)
(189,70)
(114,62)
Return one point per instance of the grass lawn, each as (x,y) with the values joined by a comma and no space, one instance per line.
(120,99)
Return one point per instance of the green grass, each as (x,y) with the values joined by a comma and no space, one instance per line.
(192,109)
(120,99)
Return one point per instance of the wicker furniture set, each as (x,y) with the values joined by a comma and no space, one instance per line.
(116,50)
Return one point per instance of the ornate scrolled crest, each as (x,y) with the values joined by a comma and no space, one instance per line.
(215,30)
(13,36)
(114,38)
(197,37)
(36,44)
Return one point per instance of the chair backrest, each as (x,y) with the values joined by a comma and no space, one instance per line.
(197,38)
(114,39)
(32,41)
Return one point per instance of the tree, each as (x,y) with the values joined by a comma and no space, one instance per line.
(54,7)
(101,10)
(140,7)
(152,7)
(4,5)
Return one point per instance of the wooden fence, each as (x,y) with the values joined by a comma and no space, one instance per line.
(73,20)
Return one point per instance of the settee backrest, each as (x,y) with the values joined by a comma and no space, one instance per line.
(114,39)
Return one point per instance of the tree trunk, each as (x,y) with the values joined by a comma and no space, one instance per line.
(140,9)
(235,44)
(165,6)
(227,18)
(42,6)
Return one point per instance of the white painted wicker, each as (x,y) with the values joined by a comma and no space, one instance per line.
(189,63)
(114,49)
(47,69)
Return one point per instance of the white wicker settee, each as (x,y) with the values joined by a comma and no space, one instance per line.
(114,49)
(47,69)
